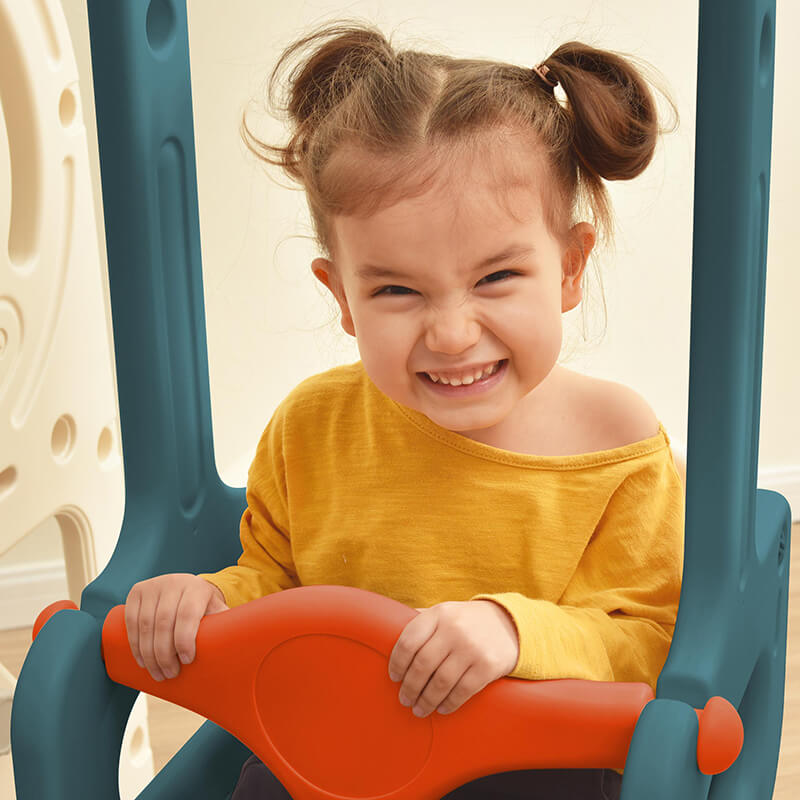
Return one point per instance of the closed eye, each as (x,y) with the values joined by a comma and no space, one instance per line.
(383,289)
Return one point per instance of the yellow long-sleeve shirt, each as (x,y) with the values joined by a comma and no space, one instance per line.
(585,552)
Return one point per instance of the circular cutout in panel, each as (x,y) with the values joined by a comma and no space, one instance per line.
(67,106)
(137,741)
(62,440)
(329,708)
(11,341)
(105,444)
(160,25)
(8,480)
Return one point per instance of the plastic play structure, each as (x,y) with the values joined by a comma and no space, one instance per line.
(307,689)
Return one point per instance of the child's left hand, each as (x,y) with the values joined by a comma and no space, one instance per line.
(450,651)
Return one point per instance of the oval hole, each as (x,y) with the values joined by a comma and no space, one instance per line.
(160,25)
(62,440)
(67,107)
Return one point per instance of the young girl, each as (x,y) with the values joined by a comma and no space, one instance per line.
(533,515)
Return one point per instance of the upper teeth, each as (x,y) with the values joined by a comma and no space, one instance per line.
(467,378)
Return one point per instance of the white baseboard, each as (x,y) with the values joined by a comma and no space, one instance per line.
(26,589)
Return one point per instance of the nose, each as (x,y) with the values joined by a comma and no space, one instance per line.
(452,330)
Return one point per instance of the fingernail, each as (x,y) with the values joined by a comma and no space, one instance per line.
(140,662)
(418,712)
(185,658)
(394,676)
(404,700)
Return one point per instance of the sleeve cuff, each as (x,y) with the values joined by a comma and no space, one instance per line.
(210,577)
(551,645)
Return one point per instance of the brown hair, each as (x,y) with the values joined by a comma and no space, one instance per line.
(373,125)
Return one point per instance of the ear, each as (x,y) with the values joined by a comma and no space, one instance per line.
(573,263)
(325,272)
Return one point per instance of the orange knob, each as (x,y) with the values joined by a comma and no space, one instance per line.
(720,737)
(48,612)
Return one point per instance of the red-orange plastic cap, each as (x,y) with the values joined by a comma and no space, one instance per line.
(48,612)
(720,736)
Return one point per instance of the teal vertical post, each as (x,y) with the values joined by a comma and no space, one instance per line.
(179,516)
(731,205)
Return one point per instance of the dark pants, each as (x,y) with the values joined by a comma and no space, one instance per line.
(256,782)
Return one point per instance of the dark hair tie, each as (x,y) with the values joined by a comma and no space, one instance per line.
(541,70)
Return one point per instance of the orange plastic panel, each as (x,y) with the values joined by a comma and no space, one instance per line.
(301,678)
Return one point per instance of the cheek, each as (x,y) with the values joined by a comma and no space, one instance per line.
(523,320)
(377,332)
(389,334)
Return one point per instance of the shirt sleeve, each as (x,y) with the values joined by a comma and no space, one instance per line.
(616,618)
(267,562)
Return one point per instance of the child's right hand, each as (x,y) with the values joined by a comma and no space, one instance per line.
(162,615)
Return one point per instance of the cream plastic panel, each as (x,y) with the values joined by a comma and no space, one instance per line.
(59,431)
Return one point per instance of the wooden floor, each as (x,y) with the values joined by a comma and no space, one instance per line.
(171,726)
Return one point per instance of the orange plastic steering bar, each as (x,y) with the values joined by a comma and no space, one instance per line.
(300,677)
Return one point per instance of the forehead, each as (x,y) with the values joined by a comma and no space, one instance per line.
(460,224)
(482,191)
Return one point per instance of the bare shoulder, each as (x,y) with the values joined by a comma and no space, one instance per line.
(619,414)
(632,415)
(629,417)
(624,417)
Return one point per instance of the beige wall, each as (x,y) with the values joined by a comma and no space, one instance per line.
(261,298)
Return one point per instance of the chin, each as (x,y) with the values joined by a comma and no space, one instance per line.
(460,423)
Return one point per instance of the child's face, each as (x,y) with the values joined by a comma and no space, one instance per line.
(444,313)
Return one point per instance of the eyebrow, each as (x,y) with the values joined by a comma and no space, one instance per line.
(513,251)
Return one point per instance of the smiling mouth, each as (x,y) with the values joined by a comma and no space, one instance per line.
(493,369)
(466,388)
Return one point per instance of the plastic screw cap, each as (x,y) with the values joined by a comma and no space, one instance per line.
(48,612)
(720,736)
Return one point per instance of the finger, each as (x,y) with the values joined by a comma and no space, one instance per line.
(471,681)
(147,612)
(190,611)
(441,684)
(422,669)
(164,629)
(414,635)
(132,606)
